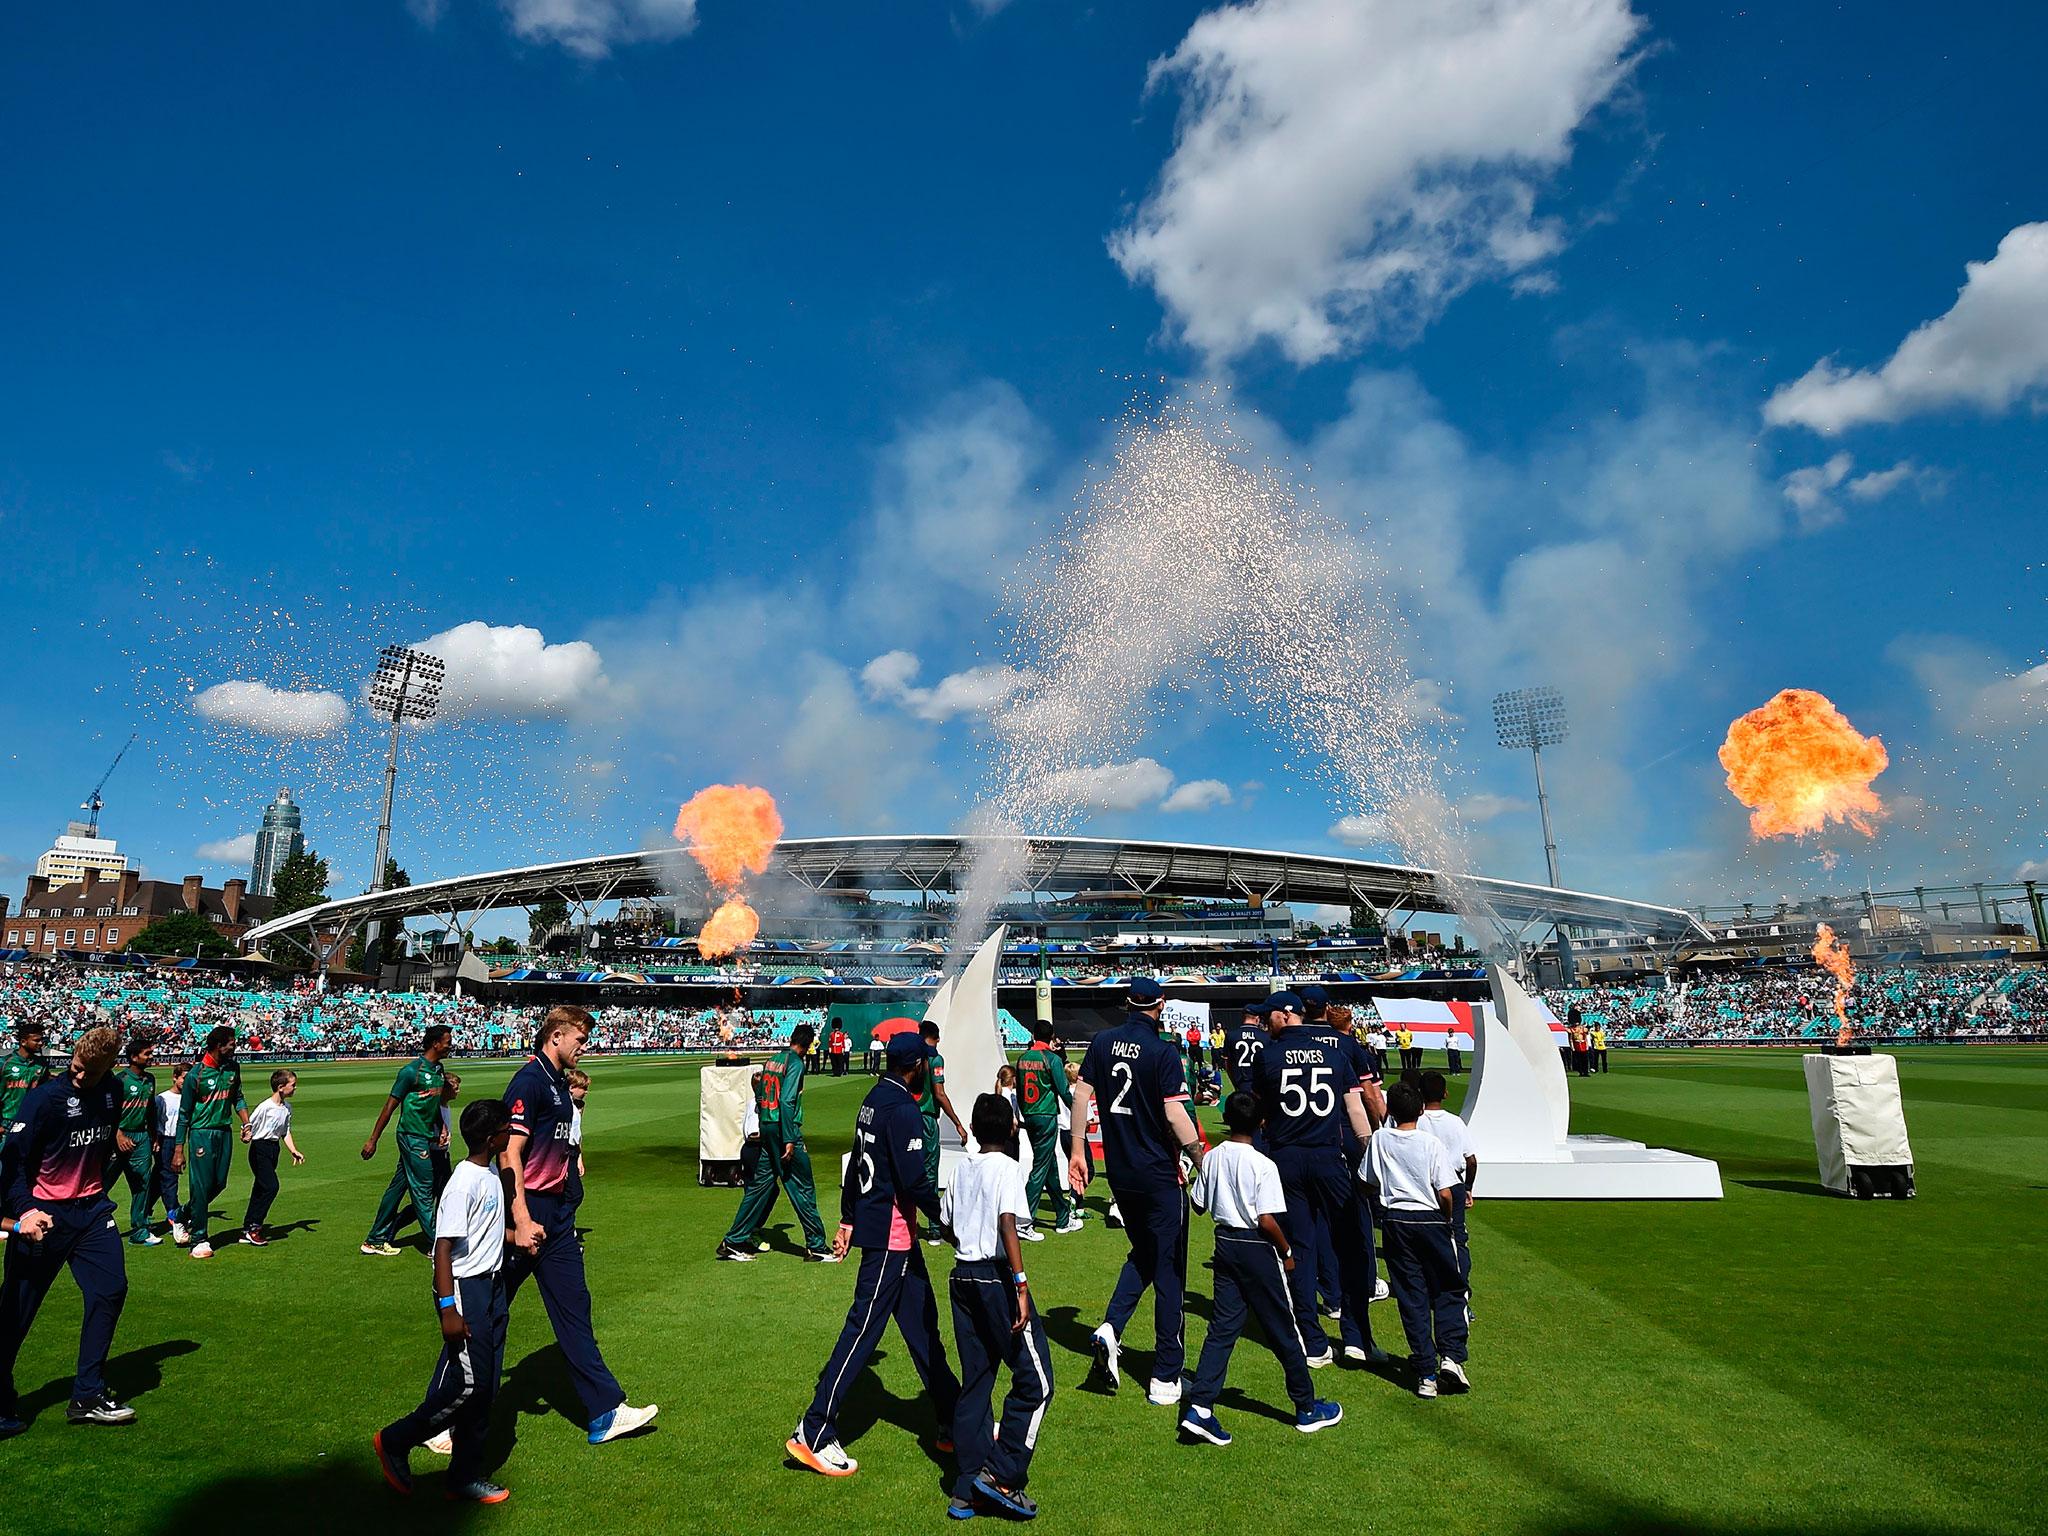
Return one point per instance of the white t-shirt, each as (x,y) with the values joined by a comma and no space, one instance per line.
(1450,1130)
(472,1211)
(986,1186)
(167,1108)
(1237,1185)
(576,1125)
(1409,1167)
(270,1121)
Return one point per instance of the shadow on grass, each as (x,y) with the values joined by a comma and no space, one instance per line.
(539,1385)
(340,1497)
(1788,1187)
(135,1374)
(284,1233)
(870,1403)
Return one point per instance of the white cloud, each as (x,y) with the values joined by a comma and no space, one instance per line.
(1110,786)
(1485,807)
(1347,167)
(590,29)
(1989,351)
(510,671)
(889,678)
(1197,795)
(229,850)
(1811,492)
(1360,831)
(1880,483)
(269,711)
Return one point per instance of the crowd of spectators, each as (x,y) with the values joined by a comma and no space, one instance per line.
(1992,1000)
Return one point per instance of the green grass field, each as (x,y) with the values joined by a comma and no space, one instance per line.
(1775,1361)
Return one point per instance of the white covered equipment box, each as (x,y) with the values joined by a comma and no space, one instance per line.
(1859,1125)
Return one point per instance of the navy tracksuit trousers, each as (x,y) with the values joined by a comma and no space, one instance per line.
(1323,1207)
(1156,1222)
(984,1315)
(464,1383)
(1251,1281)
(892,1283)
(166,1179)
(262,1183)
(558,1270)
(86,1237)
(1422,1268)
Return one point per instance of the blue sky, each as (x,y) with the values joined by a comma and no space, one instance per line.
(726,348)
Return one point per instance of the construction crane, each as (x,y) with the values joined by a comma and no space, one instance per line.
(92,801)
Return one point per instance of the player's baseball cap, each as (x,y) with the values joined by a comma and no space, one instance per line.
(1283,1002)
(1145,990)
(906,1048)
(1313,993)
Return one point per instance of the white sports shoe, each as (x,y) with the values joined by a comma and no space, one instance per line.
(1032,1235)
(1381,1290)
(624,1421)
(1317,1362)
(1071,1224)
(442,1444)
(1426,1387)
(1164,1393)
(830,1458)
(1106,1352)
(180,1234)
(1454,1370)
(202,1249)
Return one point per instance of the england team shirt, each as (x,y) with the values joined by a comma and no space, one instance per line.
(1410,1167)
(471,1213)
(1134,1075)
(1242,1048)
(542,1113)
(1237,1185)
(1301,1081)
(59,1141)
(986,1187)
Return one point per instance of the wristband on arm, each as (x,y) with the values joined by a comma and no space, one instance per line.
(444,1302)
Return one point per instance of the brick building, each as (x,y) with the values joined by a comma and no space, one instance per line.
(104,912)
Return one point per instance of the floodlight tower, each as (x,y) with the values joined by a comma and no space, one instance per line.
(1534,718)
(406,686)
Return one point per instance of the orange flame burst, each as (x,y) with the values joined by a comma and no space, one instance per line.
(1832,955)
(1799,764)
(731,830)
(730,929)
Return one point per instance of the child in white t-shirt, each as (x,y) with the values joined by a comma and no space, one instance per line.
(1416,1182)
(270,1126)
(994,1322)
(1239,1186)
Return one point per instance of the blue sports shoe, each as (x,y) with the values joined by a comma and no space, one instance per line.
(1012,1501)
(1320,1414)
(1203,1425)
(961,1509)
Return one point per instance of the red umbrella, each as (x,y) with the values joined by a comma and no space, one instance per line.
(888,1027)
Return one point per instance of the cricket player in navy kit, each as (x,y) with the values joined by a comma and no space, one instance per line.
(544,1241)
(1309,1093)
(1355,1329)
(53,1181)
(1241,1046)
(886,1188)
(1135,1079)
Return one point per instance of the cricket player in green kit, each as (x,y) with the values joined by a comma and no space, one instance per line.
(779,1102)
(932,1101)
(1041,1090)
(211,1100)
(132,1139)
(416,1096)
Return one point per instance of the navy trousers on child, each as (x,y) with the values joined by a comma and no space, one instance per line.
(1156,1222)
(166,1181)
(262,1183)
(1422,1268)
(892,1283)
(558,1269)
(1250,1281)
(464,1383)
(984,1315)
(85,1237)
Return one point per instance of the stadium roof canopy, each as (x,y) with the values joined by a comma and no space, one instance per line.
(1048,865)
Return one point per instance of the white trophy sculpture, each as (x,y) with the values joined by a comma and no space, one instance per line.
(1518,1111)
(971,1040)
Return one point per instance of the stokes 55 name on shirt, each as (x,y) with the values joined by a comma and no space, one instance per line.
(538,1096)
(1301,1080)
(1134,1075)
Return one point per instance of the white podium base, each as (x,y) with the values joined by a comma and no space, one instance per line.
(1603,1168)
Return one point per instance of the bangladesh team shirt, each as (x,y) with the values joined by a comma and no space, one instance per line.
(418,1091)
(18,1074)
(213,1092)
(1042,1084)
(542,1112)
(934,1080)
(778,1094)
(58,1144)
(138,1092)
